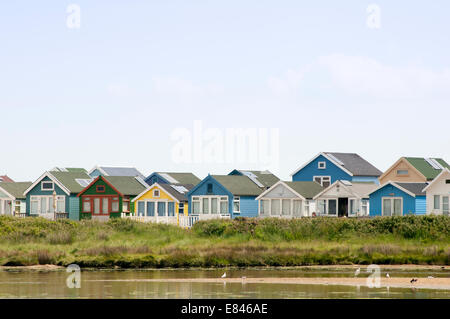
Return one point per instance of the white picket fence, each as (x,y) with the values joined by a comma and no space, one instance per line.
(190,220)
(171,220)
(182,220)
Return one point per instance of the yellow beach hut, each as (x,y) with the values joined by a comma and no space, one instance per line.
(162,203)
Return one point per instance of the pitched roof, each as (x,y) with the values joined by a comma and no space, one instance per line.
(68,179)
(179,178)
(69,169)
(127,185)
(15,189)
(356,164)
(425,168)
(264,178)
(5,178)
(415,188)
(118,171)
(306,189)
(175,190)
(238,185)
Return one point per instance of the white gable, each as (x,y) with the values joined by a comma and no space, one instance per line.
(280,191)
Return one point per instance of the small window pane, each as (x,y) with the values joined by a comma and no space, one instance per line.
(332,207)
(437,201)
(205,206)
(214,207)
(275,210)
(286,207)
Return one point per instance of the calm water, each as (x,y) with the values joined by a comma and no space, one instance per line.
(97,284)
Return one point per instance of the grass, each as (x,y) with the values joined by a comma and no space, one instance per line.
(218,243)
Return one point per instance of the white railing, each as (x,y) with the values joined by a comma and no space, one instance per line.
(171,220)
(190,220)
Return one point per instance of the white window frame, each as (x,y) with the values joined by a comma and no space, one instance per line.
(236,199)
(322,165)
(47,189)
(154,193)
(321,179)
(392,205)
(49,200)
(220,200)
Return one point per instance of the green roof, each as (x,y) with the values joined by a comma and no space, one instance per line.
(306,189)
(68,179)
(16,189)
(426,169)
(266,178)
(238,185)
(127,185)
(69,169)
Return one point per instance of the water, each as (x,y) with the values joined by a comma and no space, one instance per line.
(116,284)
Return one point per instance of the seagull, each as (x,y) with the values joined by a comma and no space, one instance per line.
(357,272)
(224,275)
(387,275)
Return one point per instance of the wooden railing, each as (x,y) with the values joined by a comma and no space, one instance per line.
(172,220)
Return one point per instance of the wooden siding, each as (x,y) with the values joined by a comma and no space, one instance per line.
(308,172)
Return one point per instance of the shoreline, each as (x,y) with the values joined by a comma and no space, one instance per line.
(51,267)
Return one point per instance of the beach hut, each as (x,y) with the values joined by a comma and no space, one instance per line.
(438,194)
(398,199)
(162,203)
(12,199)
(54,195)
(345,199)
(414,170)
(289,200)
(326,168)
(109,197)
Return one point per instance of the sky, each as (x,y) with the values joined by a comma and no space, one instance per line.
(158,85)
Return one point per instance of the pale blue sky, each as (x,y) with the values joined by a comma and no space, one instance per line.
(113,91)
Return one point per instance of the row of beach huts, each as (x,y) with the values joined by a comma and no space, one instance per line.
(330,184)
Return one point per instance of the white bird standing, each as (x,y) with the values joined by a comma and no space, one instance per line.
(387,275)
(224,275)
(357,272)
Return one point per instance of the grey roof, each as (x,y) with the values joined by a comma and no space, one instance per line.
(356,164)
(306,189)
(238,185)
(122,171)
(415,188)
(171,189)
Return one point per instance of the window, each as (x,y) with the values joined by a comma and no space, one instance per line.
(141,208)
(322,165)
(209,187)
(60,204)
(297,207)
(161,209)
(352,209)
(171,209)
(224,205)
(156,193)
(392,206)
(34,206)
(264,206)
(364,207)
(307,208)
(47,186)
(181,208)
(115,204)
(237,204)
(332,205)
(205,206)
(105,205)
(402,172)
(325,181)
(150,209)
(447,181)
(196,205)
(100,188)
(275,207)
(437,201)
(46,204)
(322,203)
(126,206)
(286,207)
(445,205)
(214,207)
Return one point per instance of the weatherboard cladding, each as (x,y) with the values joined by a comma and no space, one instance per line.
(308,172)
(426,169)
